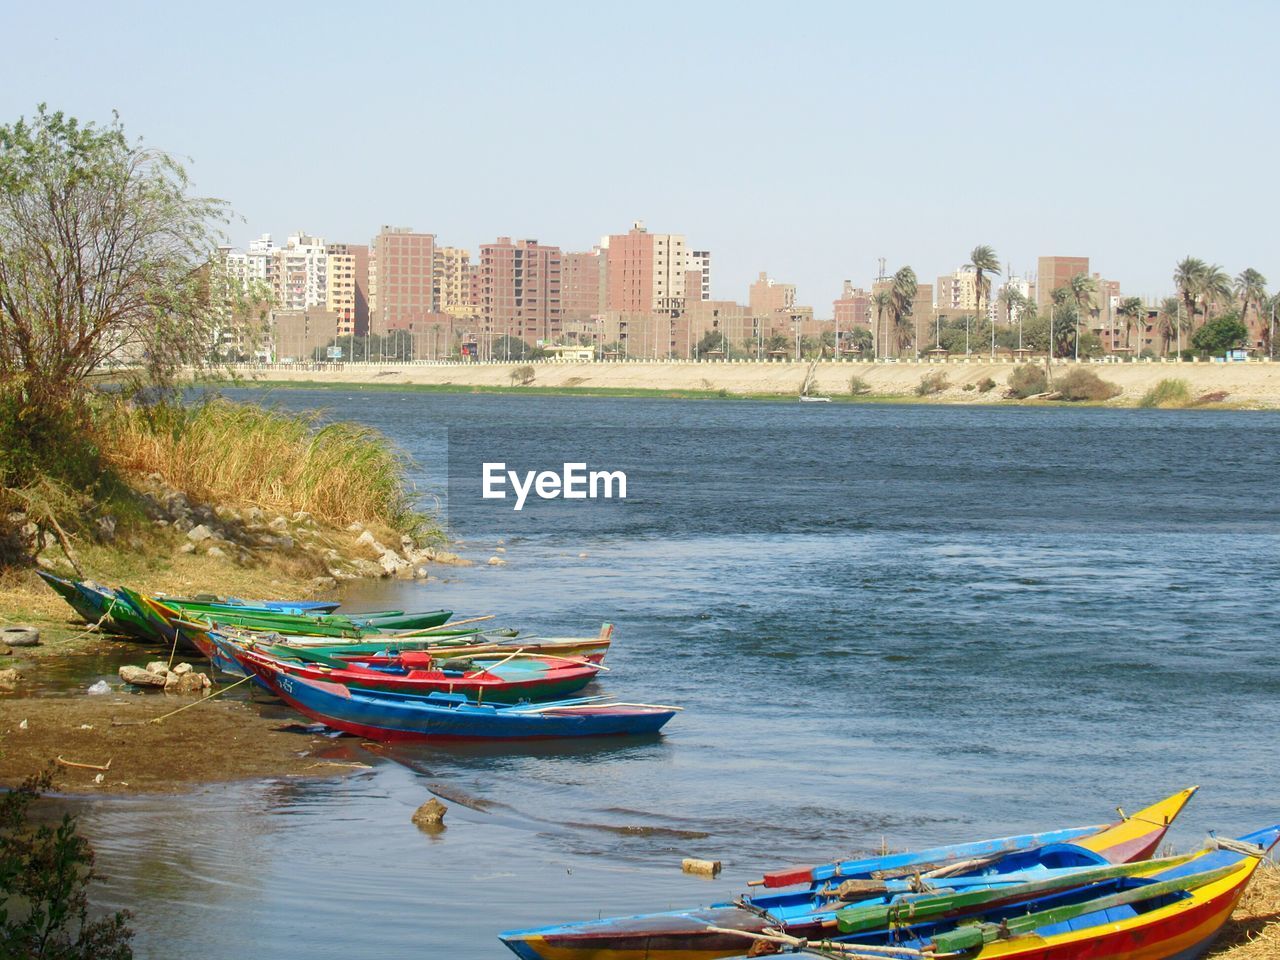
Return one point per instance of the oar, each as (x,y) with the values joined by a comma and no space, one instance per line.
(552,656)
(427,631)
(543,708)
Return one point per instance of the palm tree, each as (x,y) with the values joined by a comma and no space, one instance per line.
(983,260)
(1058,297)
(881,301)
(1014,304)
(1083,288)
(1134,312)
(902,297)
(1251,288)
(1188,277)
(1215,287)
(1168,320)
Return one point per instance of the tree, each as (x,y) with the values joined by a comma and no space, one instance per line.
(1220,334)
(1168,320)
(1188,277)
(711,341)
(881,301)
(44,873)
(858,340)
(778,343)
(902,295)
(1215,288)
(1134,312)
(1083,289)
(104,257)
(1251,288)
(983,260)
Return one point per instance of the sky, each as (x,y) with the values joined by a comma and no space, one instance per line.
(803,139)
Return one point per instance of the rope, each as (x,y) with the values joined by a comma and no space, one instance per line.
(200,701)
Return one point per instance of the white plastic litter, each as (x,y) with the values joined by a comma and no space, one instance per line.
(100,687)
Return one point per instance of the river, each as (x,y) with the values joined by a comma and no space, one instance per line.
(888,624)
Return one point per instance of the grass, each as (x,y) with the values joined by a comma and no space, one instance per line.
(220,452)
(1078,384)
(1253,932)
(1167,394)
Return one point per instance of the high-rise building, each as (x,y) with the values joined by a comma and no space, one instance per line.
(402,267)
(451,281)
(697,284)
(300,278)
(1053,273)
(582,285)
(645,272)
(767,297)
(359,266)
(519,290)
(958,292)
(852,311)
(341,291)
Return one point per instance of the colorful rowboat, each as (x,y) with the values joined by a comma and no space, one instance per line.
(393,717)
(510,679)
(697,934)
(1174,913)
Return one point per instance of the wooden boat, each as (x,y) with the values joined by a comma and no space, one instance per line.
(393,717)
(212,601)
(592,649)
(510,679)
(1173,913)
(694,934)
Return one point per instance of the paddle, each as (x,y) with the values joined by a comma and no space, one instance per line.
(428,631)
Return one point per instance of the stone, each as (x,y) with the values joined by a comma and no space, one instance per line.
(198,533)
(158,666)
(224,513)
(430,814)
(20,636)
(186,683)
(279,523)
(5,650)
(181,668)
(217,553)
(284,542)
(366,568)
(392,562)
(706,868)
(355,527)
(182,524)
(106,528)
(420,573)
(497,562)
(367,539)
(302,517)
(9,679)
(162,522)
(141,678)
(324,583)
(187,547)
(407,544)
(253,515)
(499,549)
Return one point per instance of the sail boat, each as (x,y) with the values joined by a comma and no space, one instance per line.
(810,380)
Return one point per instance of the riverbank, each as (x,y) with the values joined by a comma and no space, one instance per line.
(1254,385)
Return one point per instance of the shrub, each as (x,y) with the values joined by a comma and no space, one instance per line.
(931,383)
(1027,380)
(523,375)
(986,385)
(969,387)
(1167,393)
(858,386)
(1082,384)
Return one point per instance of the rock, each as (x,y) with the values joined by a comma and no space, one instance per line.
(158,667)
(196,534)
(497,562)
(20,636)
(444,556)
(583,556)
(162,522)
(420,573)
(284,542)
(155,478)
(324,583)
(186,683)
(253,515)
(217,553)
(187,547)
(182,524)
(302,517)
(430,814)
(366,568)
(97,689)
(224,513)
(279,523)
(706,868)
(499,549)
(182,668)
(9,679)
(355,527)
(407,544)
(392,562)
(367,539)
(4,650)
(106,528)
(141,678)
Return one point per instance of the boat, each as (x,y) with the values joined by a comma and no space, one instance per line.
(693,934)
(277,606)
(394,717)
(510,679)
(810,381)
(592,649)
(1172,913)
(808,399)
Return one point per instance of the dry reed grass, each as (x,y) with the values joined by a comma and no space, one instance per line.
(229,453)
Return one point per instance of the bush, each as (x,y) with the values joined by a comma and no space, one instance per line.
(969,387)
(1167,393)
(858,386)
(986,385)
(44,872)
(1027,380)
(1082,384)
(523,375)
(932,383)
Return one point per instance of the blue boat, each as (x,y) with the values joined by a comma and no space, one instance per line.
(392,717)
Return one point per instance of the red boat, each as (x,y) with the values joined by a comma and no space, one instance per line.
(509,679)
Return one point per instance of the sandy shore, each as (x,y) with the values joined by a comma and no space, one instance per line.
(1254,384)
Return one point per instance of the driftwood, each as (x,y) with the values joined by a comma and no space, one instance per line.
(86,766)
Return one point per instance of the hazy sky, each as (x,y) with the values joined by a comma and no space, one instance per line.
(806,139)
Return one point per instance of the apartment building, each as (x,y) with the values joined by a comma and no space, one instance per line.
(519,290)
(645,272)
(402,271)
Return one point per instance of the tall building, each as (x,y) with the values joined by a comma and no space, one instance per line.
(645,272)
(1055,272)
(359,264)
(402,267)
(451,282)
(697,283)
(767,297)
(341,291)
(958,292)
(582,285)
(301,273)
(851,311)
(519,290)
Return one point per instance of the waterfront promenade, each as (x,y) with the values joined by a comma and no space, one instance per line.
(1254,383)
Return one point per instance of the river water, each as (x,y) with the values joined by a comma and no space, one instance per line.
(888,624)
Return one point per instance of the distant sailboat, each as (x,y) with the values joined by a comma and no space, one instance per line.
(810,380)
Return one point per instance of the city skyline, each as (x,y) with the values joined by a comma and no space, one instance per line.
(1089,135)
